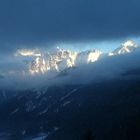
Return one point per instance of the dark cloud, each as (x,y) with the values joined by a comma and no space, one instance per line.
(37,21)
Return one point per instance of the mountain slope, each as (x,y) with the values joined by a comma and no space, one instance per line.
(127,47)
(61,59)
(68,112)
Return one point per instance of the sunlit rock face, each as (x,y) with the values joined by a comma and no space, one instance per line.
(127,47)
(65,59)
(55,61)
(62,59)
(38,66)
(87,57)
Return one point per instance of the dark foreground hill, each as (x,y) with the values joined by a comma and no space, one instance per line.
(109,110)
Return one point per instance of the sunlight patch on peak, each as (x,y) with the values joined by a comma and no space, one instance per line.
(27,52)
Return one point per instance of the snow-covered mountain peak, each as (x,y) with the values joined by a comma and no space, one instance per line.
(56,60)
(86,57)
(129,43)
(126,47)
(61,59)
(38,66)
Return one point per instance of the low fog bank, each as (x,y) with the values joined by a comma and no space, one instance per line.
(107,68)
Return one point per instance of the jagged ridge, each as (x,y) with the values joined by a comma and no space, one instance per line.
(62,59)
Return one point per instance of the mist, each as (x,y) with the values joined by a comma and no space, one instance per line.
(106,68)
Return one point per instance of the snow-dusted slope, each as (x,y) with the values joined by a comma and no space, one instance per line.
(87,57)
(61,59)
(127,47)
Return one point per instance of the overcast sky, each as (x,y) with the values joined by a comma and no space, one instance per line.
(43,22)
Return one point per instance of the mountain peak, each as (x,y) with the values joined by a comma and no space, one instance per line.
(126,47)
(129,43)
(61,59)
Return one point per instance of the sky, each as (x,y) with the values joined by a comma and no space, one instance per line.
(46,23)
